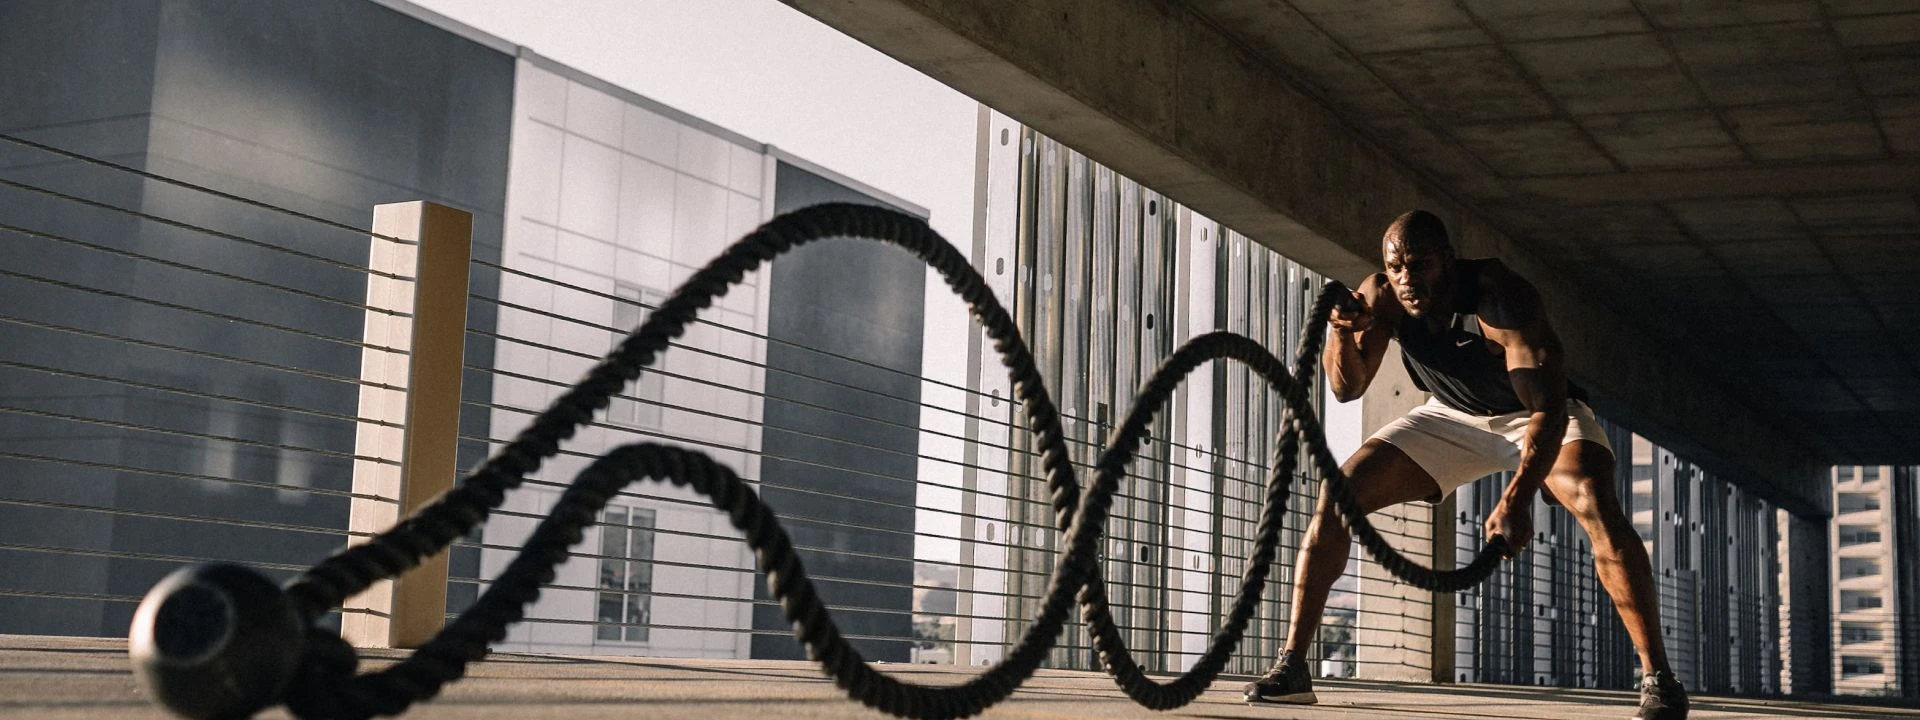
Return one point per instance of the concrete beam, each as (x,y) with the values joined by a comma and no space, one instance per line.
(1154,91)
(1659,186)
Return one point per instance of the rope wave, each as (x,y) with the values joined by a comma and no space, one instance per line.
(325,684)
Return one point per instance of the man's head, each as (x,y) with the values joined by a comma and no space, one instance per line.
(1419,261)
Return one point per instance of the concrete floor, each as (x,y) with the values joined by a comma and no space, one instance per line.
(75,679)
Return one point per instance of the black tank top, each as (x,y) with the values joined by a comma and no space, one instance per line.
(1453,362)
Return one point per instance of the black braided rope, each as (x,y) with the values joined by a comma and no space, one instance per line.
(326,686)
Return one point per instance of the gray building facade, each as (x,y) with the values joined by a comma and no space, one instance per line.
(842,423)
(181,336)
(155,386)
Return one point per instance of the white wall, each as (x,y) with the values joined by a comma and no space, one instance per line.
(612,195)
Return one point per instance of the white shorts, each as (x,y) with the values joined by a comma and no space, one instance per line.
(1457,448)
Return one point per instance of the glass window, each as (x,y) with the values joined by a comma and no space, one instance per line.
(641,406)
(1857,633)
(626,574)
(1858,537)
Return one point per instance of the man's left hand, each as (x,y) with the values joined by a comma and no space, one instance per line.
(1513,522)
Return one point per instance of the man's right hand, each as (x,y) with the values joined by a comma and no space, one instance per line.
(1352,317)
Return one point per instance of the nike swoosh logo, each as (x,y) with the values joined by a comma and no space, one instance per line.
(1464,343)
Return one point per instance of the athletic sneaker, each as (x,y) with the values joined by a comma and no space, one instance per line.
(1287,683)
(1662,698)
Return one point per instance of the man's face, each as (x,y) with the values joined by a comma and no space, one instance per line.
(1421,274)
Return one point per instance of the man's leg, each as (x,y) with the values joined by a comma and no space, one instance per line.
(1582,480)
(1382,476)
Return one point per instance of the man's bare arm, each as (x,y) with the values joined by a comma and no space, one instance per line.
(1358,341)
(1515,319)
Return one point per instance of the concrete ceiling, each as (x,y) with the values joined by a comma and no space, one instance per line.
(1741,176)
(1715,197)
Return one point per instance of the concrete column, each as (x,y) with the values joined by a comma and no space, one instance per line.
(1442,629)
(1394,626)
(416,322)
(1806,605)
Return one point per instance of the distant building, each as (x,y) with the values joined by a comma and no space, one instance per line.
(1867,597)
(935,608)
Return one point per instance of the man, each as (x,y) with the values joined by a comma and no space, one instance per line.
(1474,335)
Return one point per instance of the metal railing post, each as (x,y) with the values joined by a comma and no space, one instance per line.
(415,341)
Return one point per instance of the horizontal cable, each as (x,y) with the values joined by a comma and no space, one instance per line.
(196,476)
(487,546)
(636,430)
(663,435)
(752,363)
(1072,441)
(582,555)
(1163,545)
(477,368)
(130,555)
(650,432)
(71,155)
(138,257)
(749,599)
(921,404)
(199,394)
(1145,456)
(1043,525)
(364,345)
(725,327)
(53,327)
(1216,569)
(5,592)
(197,311)
(1064,647)
(231,522)
(198,435)
(210,232)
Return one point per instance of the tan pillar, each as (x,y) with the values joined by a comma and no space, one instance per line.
(406,439)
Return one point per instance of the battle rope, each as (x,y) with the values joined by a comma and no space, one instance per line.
(320,682)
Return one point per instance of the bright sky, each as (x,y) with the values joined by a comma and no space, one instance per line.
(764,70)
